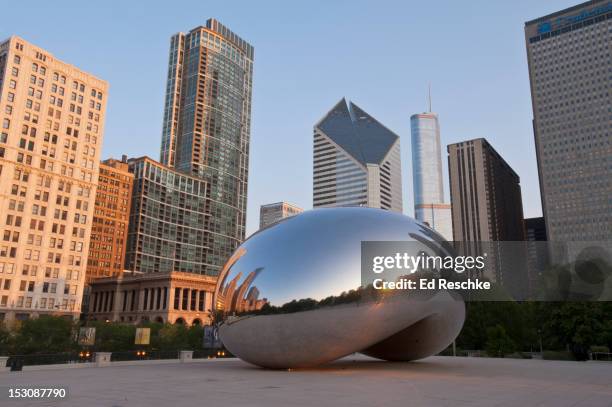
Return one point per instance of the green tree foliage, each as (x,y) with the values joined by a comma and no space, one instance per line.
(46,334)
(558,325)
(561,326)
(6,340)
(499,343)
(516,319)
(114,337)
(577,325)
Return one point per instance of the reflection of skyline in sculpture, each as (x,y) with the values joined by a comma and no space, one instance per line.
(293,296)
(242,297)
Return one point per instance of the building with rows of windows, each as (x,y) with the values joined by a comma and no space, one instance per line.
(206,129)
(356,161)
(110,221)
(51,128)
(427,180)
(570,60)
(169,209)
(274,212)
(188,211)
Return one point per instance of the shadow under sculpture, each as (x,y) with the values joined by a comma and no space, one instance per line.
(292,294)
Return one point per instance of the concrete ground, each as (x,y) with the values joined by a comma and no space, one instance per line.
(353,381)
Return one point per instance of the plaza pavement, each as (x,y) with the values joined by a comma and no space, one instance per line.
(352,381)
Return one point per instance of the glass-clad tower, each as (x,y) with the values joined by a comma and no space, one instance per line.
(426,158)
(429,206)
(206,129)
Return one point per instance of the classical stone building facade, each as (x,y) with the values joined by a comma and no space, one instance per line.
(174,297)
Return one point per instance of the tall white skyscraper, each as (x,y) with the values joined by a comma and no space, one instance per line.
(356,161)
(429,206)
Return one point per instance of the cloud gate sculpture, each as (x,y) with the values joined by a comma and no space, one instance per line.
(292,294)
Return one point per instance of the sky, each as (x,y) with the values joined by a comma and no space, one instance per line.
(308,55)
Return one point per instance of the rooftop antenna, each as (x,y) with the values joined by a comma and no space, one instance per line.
(429,92)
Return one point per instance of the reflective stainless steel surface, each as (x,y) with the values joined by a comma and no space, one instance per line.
(291,294)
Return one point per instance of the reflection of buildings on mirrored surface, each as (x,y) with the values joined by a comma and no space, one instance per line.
(240,296)
(300,282)
(427,179)
(356,161)
(272,213)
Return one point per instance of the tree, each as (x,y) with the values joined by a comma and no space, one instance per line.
(45,334)
(172,337)
(113,337)
(499,343)
(578,325)
(6,340)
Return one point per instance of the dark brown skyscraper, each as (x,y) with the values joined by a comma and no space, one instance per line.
(485,194)
(537,250)
(487,207)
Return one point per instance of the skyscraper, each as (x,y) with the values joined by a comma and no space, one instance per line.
(569,70)
(429,205)
(272,213)
(487,208)
(537,251)
(206,129)
(52,117)
(356,161)
(485,194)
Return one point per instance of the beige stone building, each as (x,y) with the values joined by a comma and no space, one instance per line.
(272,213)
(174,297)
(51,128)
